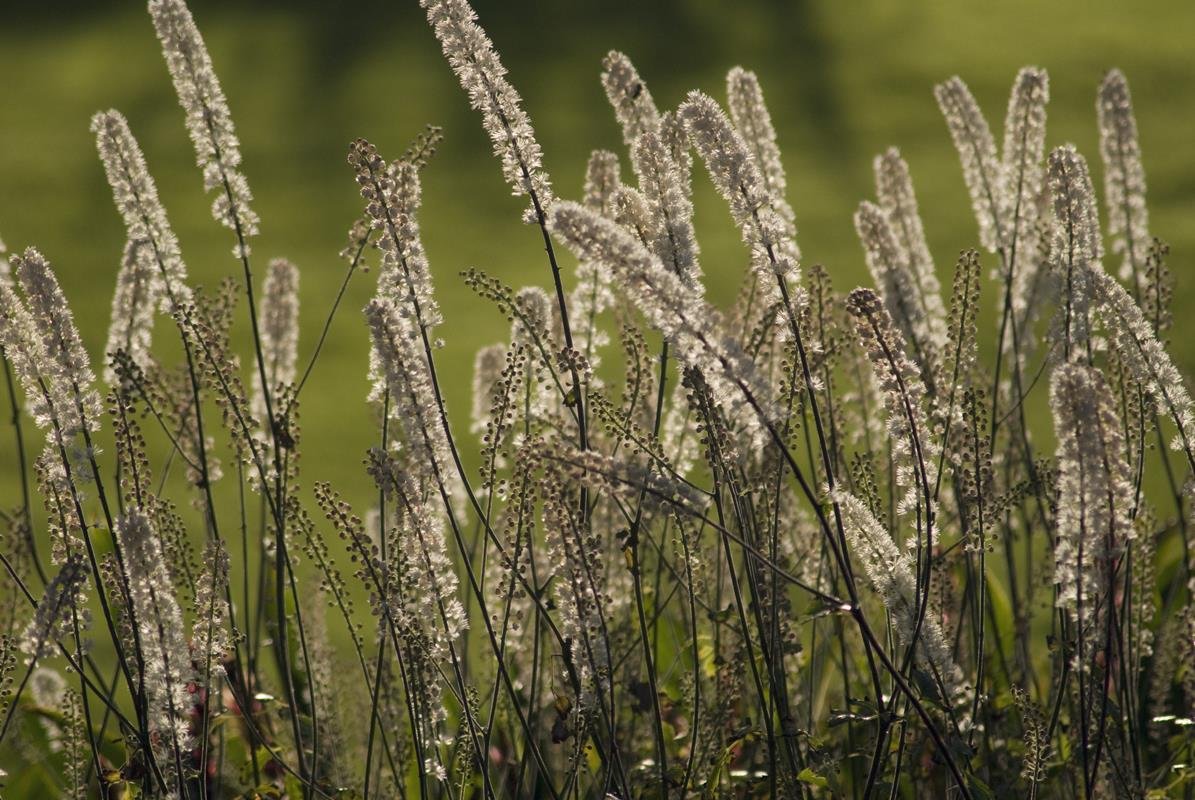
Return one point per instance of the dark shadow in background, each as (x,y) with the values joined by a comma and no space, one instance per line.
(530,34)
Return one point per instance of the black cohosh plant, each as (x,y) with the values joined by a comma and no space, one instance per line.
(810,546)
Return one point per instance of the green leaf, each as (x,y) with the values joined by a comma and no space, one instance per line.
(810,777)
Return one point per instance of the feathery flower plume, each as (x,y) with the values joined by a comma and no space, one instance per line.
(682,316)
(472,57)
(54,619)
(982,171)
(534,319)
(430,578)
(412,397)
(602,179)
(393,194)
(737,178)
(1024,146)
(167,657)
(279,330)
(209,122)
(892,271)
(136,198)
(488,364)
(753,122)
(673,239)
(1075,249)
(592,294)
(131,327)
(672,131)
(890,571)
(24,349)
(1146,357)
(632,101)
(913,447)
(894,191)
(1095,491)
(1124,177)
(68,365)
(632,211)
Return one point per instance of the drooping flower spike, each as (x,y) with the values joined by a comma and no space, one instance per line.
(209,121)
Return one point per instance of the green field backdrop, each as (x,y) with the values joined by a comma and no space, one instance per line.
(844,80)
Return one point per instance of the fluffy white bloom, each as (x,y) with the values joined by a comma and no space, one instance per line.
(412,397)
(428,577)
(754,124)
(1024,147)
(167,656)
(131,327)
(209,122)
(592,294)
(1075,249)
(738,179)
(472,57)
(279,331)
(1124,176)
(631,210)
(684,318)
(393,194)
(136,198)
(66,367)
(893,273)
(894,191)
(1146,357)
(211,638)
(672,131)
(1095,494)
(24,349)
(672,235)
(488,364)
(891,573)
(602,179)
(982,171)
(632,101)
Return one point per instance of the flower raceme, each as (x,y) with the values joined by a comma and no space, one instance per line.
(1096,496)
(1124,177)
(279,331)
(680,314)
(405,372)
(40,336)
(136,197)
(472,56)
(737,177)
(209,121)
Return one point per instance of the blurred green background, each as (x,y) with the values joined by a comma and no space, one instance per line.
(843,79)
